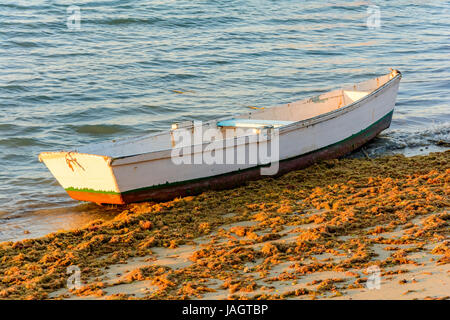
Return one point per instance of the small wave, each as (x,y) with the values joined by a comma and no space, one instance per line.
(395,140)
(179,76)
(21,142)
(128,21)
(69,55)
(26,44)
(100,129)
(13,88)
(433,135)
(347,7)
(37,98)
(7,127)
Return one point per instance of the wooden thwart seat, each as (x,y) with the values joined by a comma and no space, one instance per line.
(352,96)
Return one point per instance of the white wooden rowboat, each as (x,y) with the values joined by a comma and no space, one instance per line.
(145,168)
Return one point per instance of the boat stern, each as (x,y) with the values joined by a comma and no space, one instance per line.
(85,177)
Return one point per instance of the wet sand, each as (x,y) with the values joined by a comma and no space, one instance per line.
(316,233)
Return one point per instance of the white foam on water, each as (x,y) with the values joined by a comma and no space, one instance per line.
(408,141)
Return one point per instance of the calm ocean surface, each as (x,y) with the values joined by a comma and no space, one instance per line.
(119,74)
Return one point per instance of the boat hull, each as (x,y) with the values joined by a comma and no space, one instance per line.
(234,179)
(148,168)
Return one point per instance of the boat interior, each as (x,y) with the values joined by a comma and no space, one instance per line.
(274,117)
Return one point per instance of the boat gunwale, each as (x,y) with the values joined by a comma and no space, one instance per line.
(284,129)
(57,154)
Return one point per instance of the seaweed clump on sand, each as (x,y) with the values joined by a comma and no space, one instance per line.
(327,217)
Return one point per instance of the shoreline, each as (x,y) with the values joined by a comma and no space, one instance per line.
(17,224)
(312,233)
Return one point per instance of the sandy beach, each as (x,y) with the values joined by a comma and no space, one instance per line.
(340,229)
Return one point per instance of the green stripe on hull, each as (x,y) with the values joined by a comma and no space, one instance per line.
(90,190)
(173,184)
